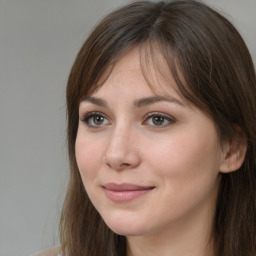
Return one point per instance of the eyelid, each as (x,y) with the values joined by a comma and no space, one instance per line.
(168,117)
(86,116)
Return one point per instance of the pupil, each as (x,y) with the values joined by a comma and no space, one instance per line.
(158,120)
(98,119)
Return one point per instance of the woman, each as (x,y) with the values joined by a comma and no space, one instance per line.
(161,104)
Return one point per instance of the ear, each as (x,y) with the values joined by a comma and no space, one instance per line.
(234,152)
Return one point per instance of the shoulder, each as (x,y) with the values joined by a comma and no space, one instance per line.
(54,251)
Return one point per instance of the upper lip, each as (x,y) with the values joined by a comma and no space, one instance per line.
(126,187)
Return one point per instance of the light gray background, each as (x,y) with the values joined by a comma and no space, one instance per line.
(39,40)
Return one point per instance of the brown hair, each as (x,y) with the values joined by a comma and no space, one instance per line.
(213,70)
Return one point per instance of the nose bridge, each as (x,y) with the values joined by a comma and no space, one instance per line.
(119,142)
(121,149)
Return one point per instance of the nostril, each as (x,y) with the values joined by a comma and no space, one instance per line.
(118,166)
(119,156)
(125,164)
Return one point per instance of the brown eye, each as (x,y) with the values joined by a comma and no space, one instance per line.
(98,120)
(158,120)
(95,120)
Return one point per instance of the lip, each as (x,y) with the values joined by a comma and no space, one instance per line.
(125,192)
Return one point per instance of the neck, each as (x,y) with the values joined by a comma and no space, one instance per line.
(182,246)
(190,236)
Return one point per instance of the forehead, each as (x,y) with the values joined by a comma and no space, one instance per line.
(143,68)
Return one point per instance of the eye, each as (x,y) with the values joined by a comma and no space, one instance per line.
(95,120)
(158,120)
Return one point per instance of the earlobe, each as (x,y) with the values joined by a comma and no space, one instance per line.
(234,154)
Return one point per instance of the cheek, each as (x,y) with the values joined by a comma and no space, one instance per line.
(186,160)
(187,173)
(88,157)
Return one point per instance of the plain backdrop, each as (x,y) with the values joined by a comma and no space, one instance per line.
(39,40)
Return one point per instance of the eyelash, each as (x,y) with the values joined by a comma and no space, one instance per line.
(86,119)
(166,118)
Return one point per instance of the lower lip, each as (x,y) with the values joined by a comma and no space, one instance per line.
(126,195)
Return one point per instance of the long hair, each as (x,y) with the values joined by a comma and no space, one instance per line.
(213,69)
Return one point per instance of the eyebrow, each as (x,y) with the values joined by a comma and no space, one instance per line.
(154,99)
(137,103)
(96,101)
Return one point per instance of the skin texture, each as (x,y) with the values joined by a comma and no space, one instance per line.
(177,155)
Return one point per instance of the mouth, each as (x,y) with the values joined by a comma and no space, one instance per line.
(125,192)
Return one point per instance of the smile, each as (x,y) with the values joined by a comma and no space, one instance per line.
(122,193)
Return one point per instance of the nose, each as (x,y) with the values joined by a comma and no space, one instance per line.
(122,151)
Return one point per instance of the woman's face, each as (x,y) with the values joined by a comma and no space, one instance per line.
(148,162)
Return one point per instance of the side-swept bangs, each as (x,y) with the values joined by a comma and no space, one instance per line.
(204,58)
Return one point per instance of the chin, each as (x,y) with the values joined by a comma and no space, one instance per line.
(127,231)
(125,226)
